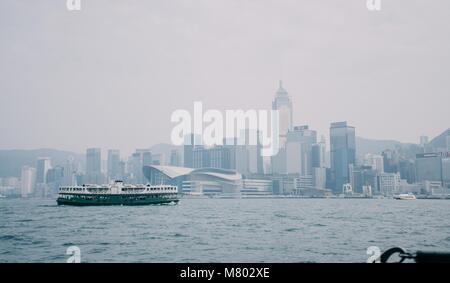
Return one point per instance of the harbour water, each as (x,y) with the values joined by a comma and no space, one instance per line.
(221,230)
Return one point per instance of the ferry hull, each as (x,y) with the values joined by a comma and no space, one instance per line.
(80,200)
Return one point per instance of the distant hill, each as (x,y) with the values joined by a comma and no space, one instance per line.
(364,146)
(441,140)
(11,161)
(408,150)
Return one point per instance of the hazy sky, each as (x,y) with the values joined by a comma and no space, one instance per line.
(111,74)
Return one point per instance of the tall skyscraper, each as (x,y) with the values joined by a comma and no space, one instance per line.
(364,176)
(389,183)
(219,157)
(278,162)
(283,104)
(93,160)
(69,172)
(391,161)
(429,167)
(248,159)
(174,158)
(318,162)
(319,176)
(446,171)
(200,157)
(423,140)
(188,151)
(448,143)
(94,166)
(343,153)
(113,165)
(28,181)
(319,154)
(245,158)
(407,170)
(122,169)
(134,167)
(299,143)
(139,159)
(55,177)
(147,157)
(376,161)
(42,167)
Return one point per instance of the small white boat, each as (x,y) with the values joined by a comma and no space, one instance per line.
(405,197)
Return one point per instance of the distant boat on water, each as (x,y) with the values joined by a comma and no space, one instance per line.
(405,197)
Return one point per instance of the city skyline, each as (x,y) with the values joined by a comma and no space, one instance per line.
(302,167)
(388,84)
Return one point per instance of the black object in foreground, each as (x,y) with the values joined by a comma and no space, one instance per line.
(419,256)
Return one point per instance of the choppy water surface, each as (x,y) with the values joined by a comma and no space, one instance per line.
(221,230)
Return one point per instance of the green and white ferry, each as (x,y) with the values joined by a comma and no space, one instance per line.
(117,194)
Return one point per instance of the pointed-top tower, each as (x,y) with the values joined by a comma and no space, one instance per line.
(283,104)
(281,92)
